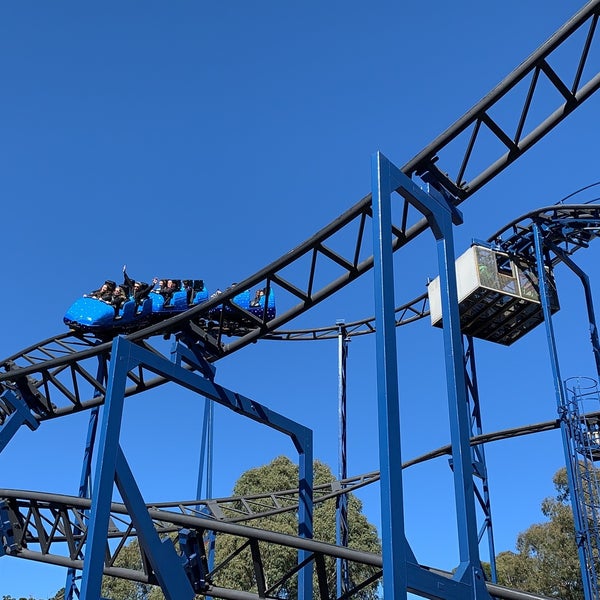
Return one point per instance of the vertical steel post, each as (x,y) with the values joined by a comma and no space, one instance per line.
(105,473)
(341,522)
(85,480)
(469,570)
(561,402)
(304,445)
(479,462)
(393,537)
(206,452)
(206,459)
(441,215)
(589,301)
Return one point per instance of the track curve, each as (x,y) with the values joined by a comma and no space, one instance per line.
(516,236)
(52,528)
(54,379)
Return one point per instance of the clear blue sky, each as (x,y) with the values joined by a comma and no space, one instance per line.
(207,139)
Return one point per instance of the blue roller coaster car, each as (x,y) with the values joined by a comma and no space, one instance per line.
(97,316)
(256,306)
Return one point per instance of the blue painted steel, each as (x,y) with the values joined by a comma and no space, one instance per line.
(441,215)
(161,554)
(589,302)
(584,436)
(206,453)
(108,447)
(206,458)
(444,215)
(97,316)
(304,446)
(479,462)
(111,463)
(85,481)
(561,401)
(21,415)
(393,536)
(341,513)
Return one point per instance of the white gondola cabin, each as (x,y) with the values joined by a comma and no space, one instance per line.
(498,296)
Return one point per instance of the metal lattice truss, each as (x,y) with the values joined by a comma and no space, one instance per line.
(59,376)
(570,227)
(52,528)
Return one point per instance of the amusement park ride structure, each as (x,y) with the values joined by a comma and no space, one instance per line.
(74,371)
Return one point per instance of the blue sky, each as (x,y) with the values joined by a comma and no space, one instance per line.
(205,140)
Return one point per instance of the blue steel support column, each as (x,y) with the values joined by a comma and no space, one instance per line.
(112,467)
(304,445)
(341,522)
(393,536)
(206,459)
(85,481)
(469,570)
(562,405)
(479,462)
(589,302)
(441,216)
(21,415)
(105,474)
(206,450)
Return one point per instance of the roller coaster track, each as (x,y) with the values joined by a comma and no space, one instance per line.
(58,376)
(52,528)
(56,517)
(569,227)
(54,377)
(65,364)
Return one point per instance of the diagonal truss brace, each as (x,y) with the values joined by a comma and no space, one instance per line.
(20,414)
(441,215)
(112,467)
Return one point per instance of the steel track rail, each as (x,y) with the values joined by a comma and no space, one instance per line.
(72,516)
(46,380)
(516,235)
(65,365)
(56,525)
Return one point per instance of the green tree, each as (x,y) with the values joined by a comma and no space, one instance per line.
(282,474)
(546,561)
(122,589)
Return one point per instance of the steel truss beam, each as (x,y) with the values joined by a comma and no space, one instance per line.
(34,513)
(56,525)
(55,380)
(112,468)
(294,276)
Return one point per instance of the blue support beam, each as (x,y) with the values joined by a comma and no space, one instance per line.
(589,301)
(161,554)
(393,536)
(480,482)
(341,513)
(441,215)
(112,466)
(85,480)
(562,406)
(20,415)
